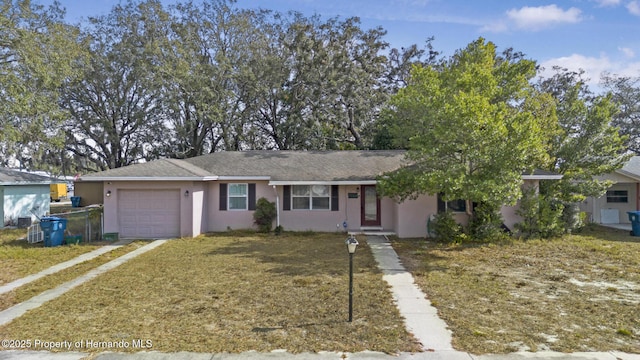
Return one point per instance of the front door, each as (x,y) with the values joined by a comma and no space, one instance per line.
(369,206)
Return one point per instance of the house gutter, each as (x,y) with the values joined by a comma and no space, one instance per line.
(311,182)
(541,177)
(148,178)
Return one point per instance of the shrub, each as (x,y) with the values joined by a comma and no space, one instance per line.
(572,218)
(264,215)
(445,228)
(541,216)
(486,223)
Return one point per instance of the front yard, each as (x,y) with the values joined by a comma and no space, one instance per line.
(239,291)
(19,258)
(230,293)
(578,293)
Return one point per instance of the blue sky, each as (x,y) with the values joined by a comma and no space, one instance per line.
(595,35)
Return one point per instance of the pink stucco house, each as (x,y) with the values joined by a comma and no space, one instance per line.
(314,190)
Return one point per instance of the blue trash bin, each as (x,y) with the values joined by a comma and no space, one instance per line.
(53,229)
(634,217)
(75,201)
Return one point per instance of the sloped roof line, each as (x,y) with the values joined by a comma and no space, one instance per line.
(15,177)
(278,167)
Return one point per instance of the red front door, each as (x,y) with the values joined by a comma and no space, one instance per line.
(369,206)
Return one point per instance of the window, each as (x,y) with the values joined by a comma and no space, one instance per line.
(617,196)
(457,205)
(311,197)
(238,197)
(453,205)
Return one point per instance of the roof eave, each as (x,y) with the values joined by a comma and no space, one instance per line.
(148,178)
(250,178)
(541,177)
(628,174)
(323,182)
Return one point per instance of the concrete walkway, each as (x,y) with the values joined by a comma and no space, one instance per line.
(420,317)
(8,315)
(59,267)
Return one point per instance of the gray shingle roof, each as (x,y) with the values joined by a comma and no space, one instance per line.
(14,177)
(632,167)
(302,165)
(277,165)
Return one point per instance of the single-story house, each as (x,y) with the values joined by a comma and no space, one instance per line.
(622,196)
(312,190)
(23,196)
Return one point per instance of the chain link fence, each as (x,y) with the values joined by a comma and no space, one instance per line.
(86,222)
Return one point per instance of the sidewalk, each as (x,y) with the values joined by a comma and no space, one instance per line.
(420,318)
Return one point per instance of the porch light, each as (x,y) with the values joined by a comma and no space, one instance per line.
(186,193)
(108,193)
(352,243)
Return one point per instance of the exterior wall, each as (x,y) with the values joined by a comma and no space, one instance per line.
(90,192)
(411,216)
(295,220)
(595,207)
(21,200)
(322,220)
(1,206)
(509,215)
(223,220)
(199,194)
(111,202)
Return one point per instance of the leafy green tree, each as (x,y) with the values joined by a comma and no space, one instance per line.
(475,124)
(38,54)
(586,143)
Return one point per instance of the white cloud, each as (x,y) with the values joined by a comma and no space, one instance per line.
(537,18)
(628,52)
(593,67)
(495,27)
(605,3)
(634,7)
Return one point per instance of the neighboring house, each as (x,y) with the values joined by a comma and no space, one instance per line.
(22,195)
(313,190)
(622,196)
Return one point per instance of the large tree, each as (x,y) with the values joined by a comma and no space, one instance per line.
(473,124)
(115,117)
(586,144)
(38,54)
(626,94)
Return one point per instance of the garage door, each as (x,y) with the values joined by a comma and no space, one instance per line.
(149,214)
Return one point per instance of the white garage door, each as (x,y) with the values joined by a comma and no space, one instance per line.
(149,214)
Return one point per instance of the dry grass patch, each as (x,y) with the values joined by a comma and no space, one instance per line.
(231,293)
(578,293)
(32,289)
(19,258)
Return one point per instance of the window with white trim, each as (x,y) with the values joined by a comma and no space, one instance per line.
(311,197)
(617,196)
(238,197)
